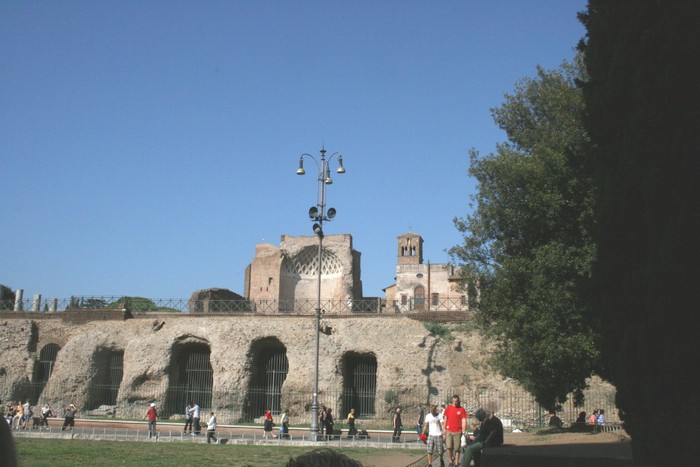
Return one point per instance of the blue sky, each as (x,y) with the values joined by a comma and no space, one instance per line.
(148,146)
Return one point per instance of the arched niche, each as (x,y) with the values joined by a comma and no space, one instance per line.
(191,376)
(268,366)
(105,382)
(359,383)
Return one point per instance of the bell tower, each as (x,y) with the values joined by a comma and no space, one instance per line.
(410,249)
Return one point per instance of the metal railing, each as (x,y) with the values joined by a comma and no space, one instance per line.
(183,305)
(515,407)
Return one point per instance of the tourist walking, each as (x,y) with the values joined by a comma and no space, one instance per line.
(27,414)
(455,427)
(352,431)
(211,429)
(19,416)
(267,424)
(329,423)
(152,416)
(45,414)
(432,426)
(196,414)
(10,411)
(69,417)
(322,419)
(421,419)
(284,425)
(188,418)
(398,426)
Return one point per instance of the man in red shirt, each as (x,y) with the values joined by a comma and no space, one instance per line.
(152,416)
(455,426)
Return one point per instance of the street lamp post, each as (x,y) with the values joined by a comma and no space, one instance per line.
(318,215)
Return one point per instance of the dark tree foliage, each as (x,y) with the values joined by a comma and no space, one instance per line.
(643,101)
(528,241)
(7,298)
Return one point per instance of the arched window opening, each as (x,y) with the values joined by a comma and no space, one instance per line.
(191,378)
(269,366)
(359,384)
(44,367)
(419,297)
(109,365)
(47,358)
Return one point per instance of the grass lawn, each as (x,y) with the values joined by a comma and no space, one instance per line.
(60,452)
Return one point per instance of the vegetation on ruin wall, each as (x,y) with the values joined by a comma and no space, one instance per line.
(128,303)
(528,239)
(438,329)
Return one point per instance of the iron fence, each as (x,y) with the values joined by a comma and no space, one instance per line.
(39,304)
(515,406)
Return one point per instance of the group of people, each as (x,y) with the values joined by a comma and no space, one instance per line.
(446,429)
(597,418)
(20,415)
(325,421)
(193,414)
(269,423)
(192,422)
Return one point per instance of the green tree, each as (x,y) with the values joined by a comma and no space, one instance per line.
(134,304)
(528,239)
(7,298)
(91,302)
(643,103)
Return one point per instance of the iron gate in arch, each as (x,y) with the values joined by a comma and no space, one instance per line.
(359,384)
(265,391)
(47,358)
(276,373)
(105,385)
(44,367)
(193,380)
(116,373)
(200,379)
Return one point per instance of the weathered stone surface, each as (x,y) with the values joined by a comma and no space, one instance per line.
(409,358)
(200,300)
(290,272)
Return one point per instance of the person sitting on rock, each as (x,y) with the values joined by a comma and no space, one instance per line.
(490,434)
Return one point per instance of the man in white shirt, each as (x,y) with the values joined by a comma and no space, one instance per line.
(196,411)
(27,415)
(211,429)
(284,429)
(433,426)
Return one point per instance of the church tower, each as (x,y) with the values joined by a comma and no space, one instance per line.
(410,249)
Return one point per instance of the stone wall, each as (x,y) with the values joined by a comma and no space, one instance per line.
(407,354)
(410,359)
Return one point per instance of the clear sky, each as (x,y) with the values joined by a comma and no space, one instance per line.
(146,147)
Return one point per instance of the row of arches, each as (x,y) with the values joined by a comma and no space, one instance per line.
(269,368)
(191,378)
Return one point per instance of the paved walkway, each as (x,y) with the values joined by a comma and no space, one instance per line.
(520,449)
(235,434)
